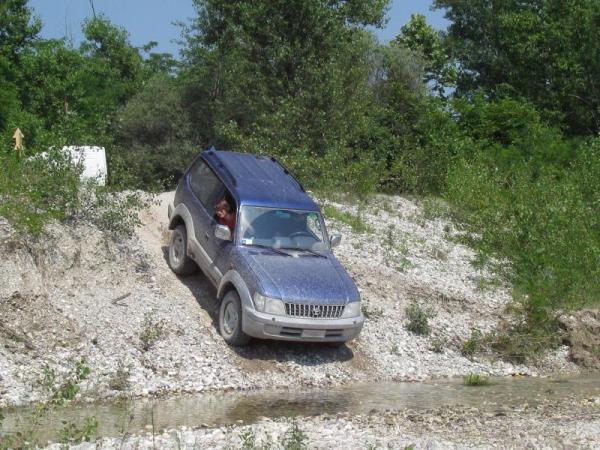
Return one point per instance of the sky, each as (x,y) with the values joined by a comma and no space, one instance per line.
(152,20)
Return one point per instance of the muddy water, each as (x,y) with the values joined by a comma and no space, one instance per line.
(117,418)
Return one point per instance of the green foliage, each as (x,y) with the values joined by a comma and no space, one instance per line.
(522,341)
(18,28)
(294,438)
(38,190)
(438,344)
(154,136)
(543,51)
(294,86)
(354,221)
(473,344)
(248,440)
(412,138)
(475,380)
(74,434)
(418,319)
(418,36)
(9,102)
(69,388)
(538,225)
(152,330)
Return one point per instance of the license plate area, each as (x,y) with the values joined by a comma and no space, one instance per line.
(313,333)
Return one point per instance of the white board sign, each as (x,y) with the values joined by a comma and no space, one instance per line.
(92,159)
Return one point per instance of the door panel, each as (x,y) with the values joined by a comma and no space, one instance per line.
(206,190)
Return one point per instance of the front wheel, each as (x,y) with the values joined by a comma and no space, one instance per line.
(230,320)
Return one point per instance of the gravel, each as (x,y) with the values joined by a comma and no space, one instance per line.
(77,294)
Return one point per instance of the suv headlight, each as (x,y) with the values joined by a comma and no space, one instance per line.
(269,305)
(351,310)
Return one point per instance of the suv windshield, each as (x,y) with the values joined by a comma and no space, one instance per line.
(282,228)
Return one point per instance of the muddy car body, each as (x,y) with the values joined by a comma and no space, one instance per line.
(275,274)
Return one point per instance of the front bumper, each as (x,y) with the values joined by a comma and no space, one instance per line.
(267,326)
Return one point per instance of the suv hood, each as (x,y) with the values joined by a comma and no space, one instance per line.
(301,279)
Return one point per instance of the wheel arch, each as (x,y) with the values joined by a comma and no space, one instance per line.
(181,216)
(232,280)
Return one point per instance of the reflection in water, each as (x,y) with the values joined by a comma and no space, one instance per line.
(120,417)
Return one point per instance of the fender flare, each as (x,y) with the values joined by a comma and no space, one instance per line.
(233,279)
(182,213)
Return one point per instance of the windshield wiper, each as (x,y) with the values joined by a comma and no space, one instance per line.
(312,252)
(276,250)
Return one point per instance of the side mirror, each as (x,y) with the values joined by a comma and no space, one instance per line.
(222,232)
(335,240)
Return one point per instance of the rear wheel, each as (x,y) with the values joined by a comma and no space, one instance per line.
(230,320)
(179,261)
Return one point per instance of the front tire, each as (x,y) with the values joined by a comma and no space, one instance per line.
(230,320)
(179,261)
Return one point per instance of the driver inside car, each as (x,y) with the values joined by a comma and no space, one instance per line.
(225,214)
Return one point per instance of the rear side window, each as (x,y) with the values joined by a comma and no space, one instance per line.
(205,184)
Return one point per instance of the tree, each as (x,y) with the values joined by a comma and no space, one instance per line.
(547,51)
(8,94)
(17,29)
(283,77)
(418,36)
(114,68)
(153,134)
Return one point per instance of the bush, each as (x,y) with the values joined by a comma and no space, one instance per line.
(37,190)
(475,380)
(418,319)
(538,226)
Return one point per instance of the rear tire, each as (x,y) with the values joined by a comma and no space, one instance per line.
(179,261)
(230,320)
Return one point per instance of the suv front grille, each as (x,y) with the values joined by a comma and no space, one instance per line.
(314,311)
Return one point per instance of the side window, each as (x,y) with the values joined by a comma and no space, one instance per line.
(205,184)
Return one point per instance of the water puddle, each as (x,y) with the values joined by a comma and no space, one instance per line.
(121,417)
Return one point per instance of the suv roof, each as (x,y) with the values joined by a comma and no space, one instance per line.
(258,180)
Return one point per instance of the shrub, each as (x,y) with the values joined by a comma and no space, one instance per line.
(472,345)
(295,438)
(475,380)
(538,226)
(418,319)
(152,330)
(37,190)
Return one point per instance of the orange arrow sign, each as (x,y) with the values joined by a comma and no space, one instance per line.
(18,137)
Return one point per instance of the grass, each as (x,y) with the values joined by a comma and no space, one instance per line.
(395,249)
(475,380)
(293,439)
(354,221)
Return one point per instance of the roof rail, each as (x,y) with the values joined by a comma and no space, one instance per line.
(212,152)
(287,172)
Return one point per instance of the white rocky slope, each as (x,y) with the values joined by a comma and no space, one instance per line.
(77,294)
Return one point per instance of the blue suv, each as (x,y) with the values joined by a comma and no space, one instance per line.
(271,263)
